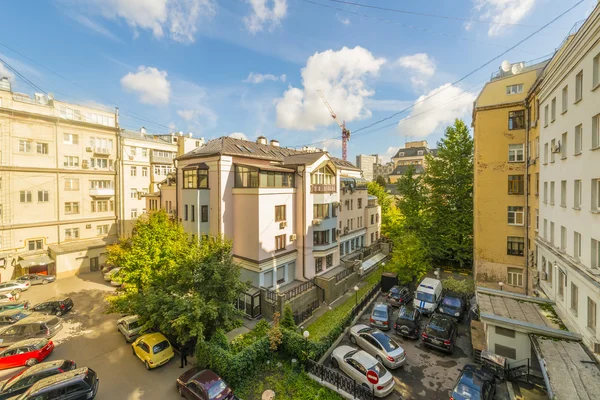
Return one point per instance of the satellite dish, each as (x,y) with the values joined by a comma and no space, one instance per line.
(505,66)
(516,68)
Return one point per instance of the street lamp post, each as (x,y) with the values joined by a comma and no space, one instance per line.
(306,334)
(501,284)
(356,291)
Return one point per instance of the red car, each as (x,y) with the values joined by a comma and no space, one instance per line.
(26,352)
(203,385)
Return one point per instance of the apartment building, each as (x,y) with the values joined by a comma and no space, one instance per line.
(568,243)
(283,208)
(502,180)
(58,176)
(414,154)
(367,165)
(383,170)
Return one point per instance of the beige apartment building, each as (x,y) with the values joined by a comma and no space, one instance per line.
(413,154)
(57,185)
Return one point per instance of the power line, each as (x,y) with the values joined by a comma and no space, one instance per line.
(434,15)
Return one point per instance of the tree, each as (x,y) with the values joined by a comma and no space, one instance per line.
(389,215)
(412,201)
(287,322)
(409,258)
(180,286)
(449,179)
(275,335)
(383,198)
(380,181)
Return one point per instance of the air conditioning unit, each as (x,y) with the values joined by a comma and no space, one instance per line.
(534,124)
(339,231)
(282,225)
(131,157)
(316,222)
(337,204)
(88,226)
(555,148)
(346,230)
(85,164)
(88,149)
(292,237)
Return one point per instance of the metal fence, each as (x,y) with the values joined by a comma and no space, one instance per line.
(340,381)
(306,313)
(293,292)
(341,275)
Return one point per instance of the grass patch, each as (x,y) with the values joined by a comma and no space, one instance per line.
(332,318)
(287,385)
(552,315)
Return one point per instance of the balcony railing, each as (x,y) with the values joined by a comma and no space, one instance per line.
(102,192)
(319,188)
(105,151)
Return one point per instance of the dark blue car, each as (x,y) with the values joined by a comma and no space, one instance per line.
(474,384)
(452,305)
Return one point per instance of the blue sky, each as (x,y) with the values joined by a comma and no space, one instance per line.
(255,67)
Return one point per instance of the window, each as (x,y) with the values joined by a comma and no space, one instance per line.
(359,203)
(546,115)
(25,196)
(561,283)
(69,138)
(545,278)
(101,143)
(318,265)
(101,163)
(72,207)
(550,272)
(279,213)
(323,176)
(103,205)
(596,131)
(71,161)
(595,254)
(552,193)
(144,171)
(537,219)
(545,192)
(133,171)
(71,233)
(515,277)
(574,298)
(25,146)
(333,235)
(515,153)
(196,178)
(578,86)
(193,210)
(552,232)
(144,152)
(553,110)
(185,212)
(42,148)
(552,149)
(163,154)
(545,153)
(132,151)
(505,351)
(280,242)
(578,139)
(329,261)
(43,196)
(565,99)
(545,228)
(515,246)
(563,193)
(320,237)
(101,230)
(133,193)
(71,184)
(577,245)
(591,314)
(134,213)
(516,184)
(563,238)
(515,215)
(204,213)
(321,211)
(419,153)
(516,120)
(596,71)
(563,146)
(37,244)
(537,148)
(514,89)
(595,194)
(537,183)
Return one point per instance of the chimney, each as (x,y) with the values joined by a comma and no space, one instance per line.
(274,143)
(143,129)
(261,140)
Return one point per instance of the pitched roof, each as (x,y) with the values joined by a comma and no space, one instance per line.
(413,152)
(402,169)
(166,139)
(344,164)
(302,158)
(226,145)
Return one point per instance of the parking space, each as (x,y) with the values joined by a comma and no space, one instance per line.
(90,338)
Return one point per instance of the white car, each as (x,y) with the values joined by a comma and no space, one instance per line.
(379,345)
(355,363)
(111,274)
(8,297)
(14,286)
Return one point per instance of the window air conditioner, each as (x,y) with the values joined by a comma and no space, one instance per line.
(88,149)
(131,157)
(339,231)
(292,237)
(85,164)
(556,148)
(282,225)
(316,222)
(88,226)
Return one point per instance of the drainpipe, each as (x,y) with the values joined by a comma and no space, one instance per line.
(220,196)
(303,169)
(528,216)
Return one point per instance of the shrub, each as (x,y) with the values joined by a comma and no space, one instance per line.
(246,339)
(287,321)
(464,287)
(220,340)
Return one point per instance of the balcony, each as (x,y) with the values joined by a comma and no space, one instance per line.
(102,192)
(319,188)
(154,159)
(102,151)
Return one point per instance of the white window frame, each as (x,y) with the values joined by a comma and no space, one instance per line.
(70,138)
(563,238)
(596,195)
(515,213)
(552,190)
(579,86)
(577,245)
(553,110)
(514,89)
(134,213)
(43,196)
(71,233)
(516,150)
(515,277)
(565,99)
(596,71)
(133,171)
(552,232)
(595,256)
(144,171)
(71,161)
(578,139)
(71,184)
(25,146)
(41,146)
(577,194)
(71,207)
(25,196)
(596,131)
(563,193)
(563,146)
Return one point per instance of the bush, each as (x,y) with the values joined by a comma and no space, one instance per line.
(246,339)
(464,287)
(220,340)
(287,322)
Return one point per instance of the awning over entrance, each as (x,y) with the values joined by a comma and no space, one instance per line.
(42,259)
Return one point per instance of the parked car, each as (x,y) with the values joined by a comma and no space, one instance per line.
(129,326)
(107,268)
(26,352)
(474,384)
(10,317)
(14,286)
(440,332)
(36,326)
(14,305)
(398,296)
(22,381)
(37,279)
(153,349)
(428,295)
(111,274)
(56,305)
(381,316)
(81,383)
(203,385)
(355,363)
(9,297)
(408,322)
(379,345)
(452,305)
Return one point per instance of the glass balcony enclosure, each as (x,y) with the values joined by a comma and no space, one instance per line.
(254,177)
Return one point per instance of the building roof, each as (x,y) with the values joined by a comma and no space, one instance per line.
(166,139)
(80,245)
(572,373)
(226,145)
(266,167)
(413,151)
(402,169)
(302,158)
(342,164)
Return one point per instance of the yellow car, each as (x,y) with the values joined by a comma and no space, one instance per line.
(153,349)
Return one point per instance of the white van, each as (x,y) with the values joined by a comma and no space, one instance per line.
(428,295)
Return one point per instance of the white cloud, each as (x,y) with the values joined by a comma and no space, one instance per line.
(341,75)
(436,109)
(387,105)
(238,135)
(179,18)
(191,102)
(389,153)
(343,20)
(512,11)
(420,66)
(94,26)
(260,78)
(265,15)
(149,83)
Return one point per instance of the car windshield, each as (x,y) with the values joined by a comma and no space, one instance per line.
(134,324)
(381,371)
(160,347)
(439,327)
(41,344)
(216,389)
(406,313)
(387,342)
(426,297)
(379,313)
(467,392)
(451,302)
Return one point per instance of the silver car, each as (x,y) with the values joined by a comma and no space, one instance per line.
(379,345)
(130,327)
(355,363)
(14,286)
(111,274)
(381,316)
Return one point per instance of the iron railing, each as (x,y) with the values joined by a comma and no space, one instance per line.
(295,291)
(345,273)
(340,381)
(321,188)
(301,316)
(271,295)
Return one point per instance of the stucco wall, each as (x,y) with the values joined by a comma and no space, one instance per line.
(521,342)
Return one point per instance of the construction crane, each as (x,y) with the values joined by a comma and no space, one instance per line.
(342,125)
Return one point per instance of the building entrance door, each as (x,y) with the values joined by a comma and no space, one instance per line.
(94,263)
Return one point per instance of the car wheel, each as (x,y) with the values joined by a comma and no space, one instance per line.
(147,365)
(379,360)
(180,390)
(58,313)
(352,339)
(31,362)
(44,282)
(334,363)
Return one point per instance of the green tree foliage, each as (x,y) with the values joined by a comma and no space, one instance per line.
(380,181)
(175,283)
(466,286)
(449,179)
(383,198)
(275,335)
(412,201)
(287,322)
(409,258)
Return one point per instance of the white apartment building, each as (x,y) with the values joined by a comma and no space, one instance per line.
(57,185)
(568,242)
